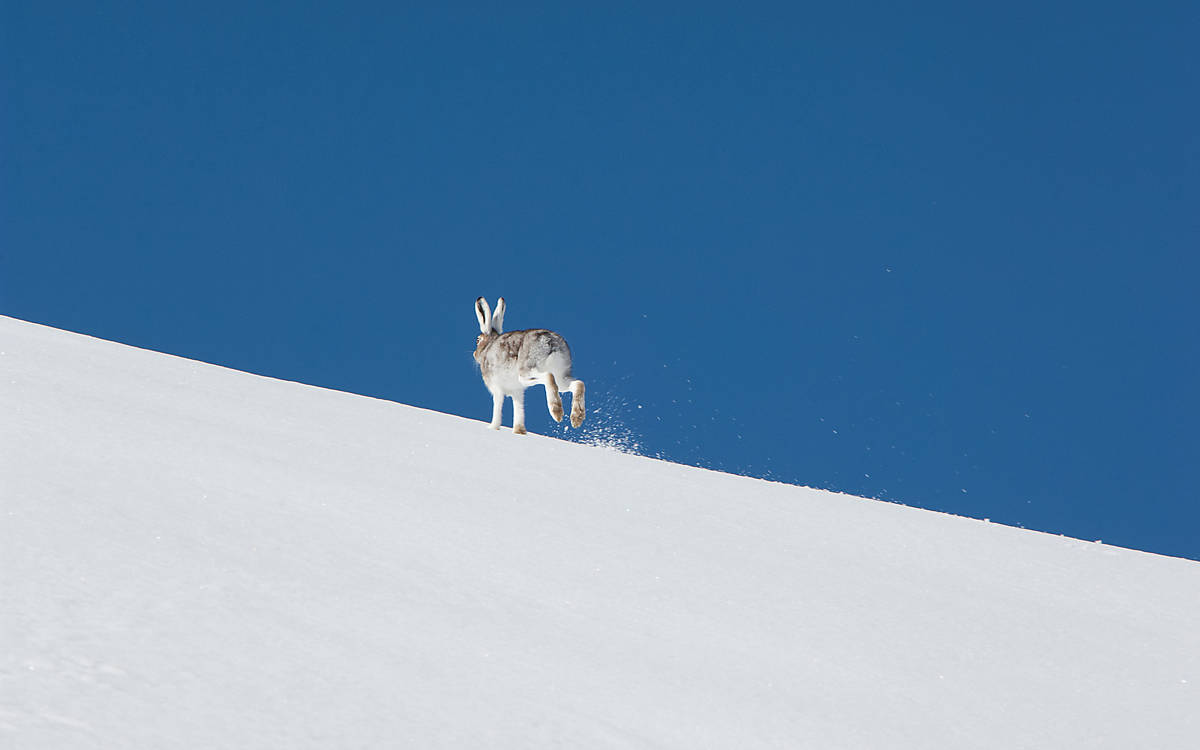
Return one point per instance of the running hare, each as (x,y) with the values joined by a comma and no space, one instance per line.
(511,362)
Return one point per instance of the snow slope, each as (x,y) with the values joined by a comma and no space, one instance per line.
(193,557)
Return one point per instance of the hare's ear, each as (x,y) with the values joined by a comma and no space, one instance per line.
(498,316)
(484,313)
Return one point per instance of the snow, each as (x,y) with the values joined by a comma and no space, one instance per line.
(194,557)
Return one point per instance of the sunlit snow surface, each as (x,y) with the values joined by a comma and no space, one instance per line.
(192,557)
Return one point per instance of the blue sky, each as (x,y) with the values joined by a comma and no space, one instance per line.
(942,255)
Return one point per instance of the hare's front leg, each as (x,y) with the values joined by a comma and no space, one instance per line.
(497,410)
(519,412)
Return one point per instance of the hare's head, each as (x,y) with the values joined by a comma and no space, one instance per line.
(491,324)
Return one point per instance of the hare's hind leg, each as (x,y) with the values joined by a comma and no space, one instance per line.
(553,400)
(578,410)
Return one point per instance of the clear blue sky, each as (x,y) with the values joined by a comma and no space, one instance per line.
(944,255)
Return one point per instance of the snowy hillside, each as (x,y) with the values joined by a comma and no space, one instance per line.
(193,557)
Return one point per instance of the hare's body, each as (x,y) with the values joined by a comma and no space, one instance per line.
(511,362)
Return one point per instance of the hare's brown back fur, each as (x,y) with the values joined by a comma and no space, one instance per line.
(528,349)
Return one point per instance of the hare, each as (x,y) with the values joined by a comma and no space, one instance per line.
(511,362)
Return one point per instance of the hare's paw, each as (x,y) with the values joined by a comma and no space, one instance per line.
(519,429)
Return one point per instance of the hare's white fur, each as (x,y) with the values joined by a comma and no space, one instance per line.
(511,362)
